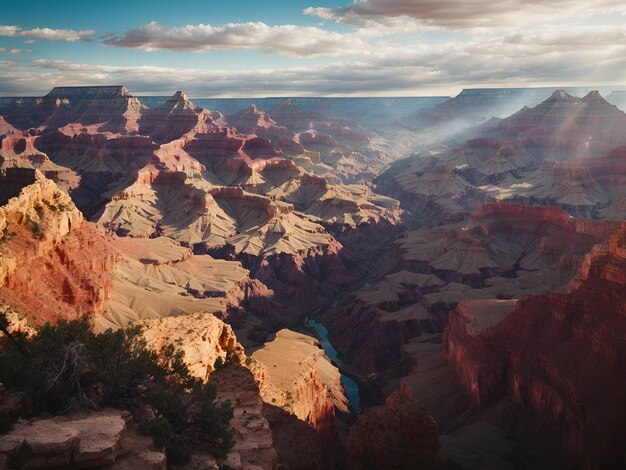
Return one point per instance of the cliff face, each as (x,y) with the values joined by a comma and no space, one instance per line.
(24,191)
(44,266)
(203,339)
(254,444)
(18,150)
(300,378)
(254,121)
(55,265)
(174,118)
(545,354)
(296,442)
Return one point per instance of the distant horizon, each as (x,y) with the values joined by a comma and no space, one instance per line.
(602,89)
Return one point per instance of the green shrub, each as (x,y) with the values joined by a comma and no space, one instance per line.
(232,357)
(212,420)
(39,210)
(177,447)
(19,458)
(36,229)
(67,367)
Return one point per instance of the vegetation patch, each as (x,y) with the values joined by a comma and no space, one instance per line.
(66,367)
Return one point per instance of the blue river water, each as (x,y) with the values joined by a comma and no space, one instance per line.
(350,386)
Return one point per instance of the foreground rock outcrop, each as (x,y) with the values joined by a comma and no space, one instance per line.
(91,440)
(254,445)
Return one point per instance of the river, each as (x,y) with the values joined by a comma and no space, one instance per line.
(350,387)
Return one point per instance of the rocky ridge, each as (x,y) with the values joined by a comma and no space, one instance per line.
(561,152)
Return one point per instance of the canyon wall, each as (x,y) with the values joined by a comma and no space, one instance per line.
(545,354)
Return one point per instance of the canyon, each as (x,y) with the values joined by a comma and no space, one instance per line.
(370,283)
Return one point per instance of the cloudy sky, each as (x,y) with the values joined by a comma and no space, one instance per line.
(311,47)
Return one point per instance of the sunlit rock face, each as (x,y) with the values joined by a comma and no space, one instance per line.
(43,265)
(56,265)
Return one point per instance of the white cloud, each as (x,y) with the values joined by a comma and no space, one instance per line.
(8,30)
(528,58)
(20,51)
(67,35)
(282,39)
(458,14)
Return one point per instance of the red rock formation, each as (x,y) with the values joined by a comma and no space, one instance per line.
(559,354)
(53,264)
(299,377)
(5,127)
(174,118)
(398,434)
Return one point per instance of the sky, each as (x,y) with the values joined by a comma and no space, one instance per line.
(255,48)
